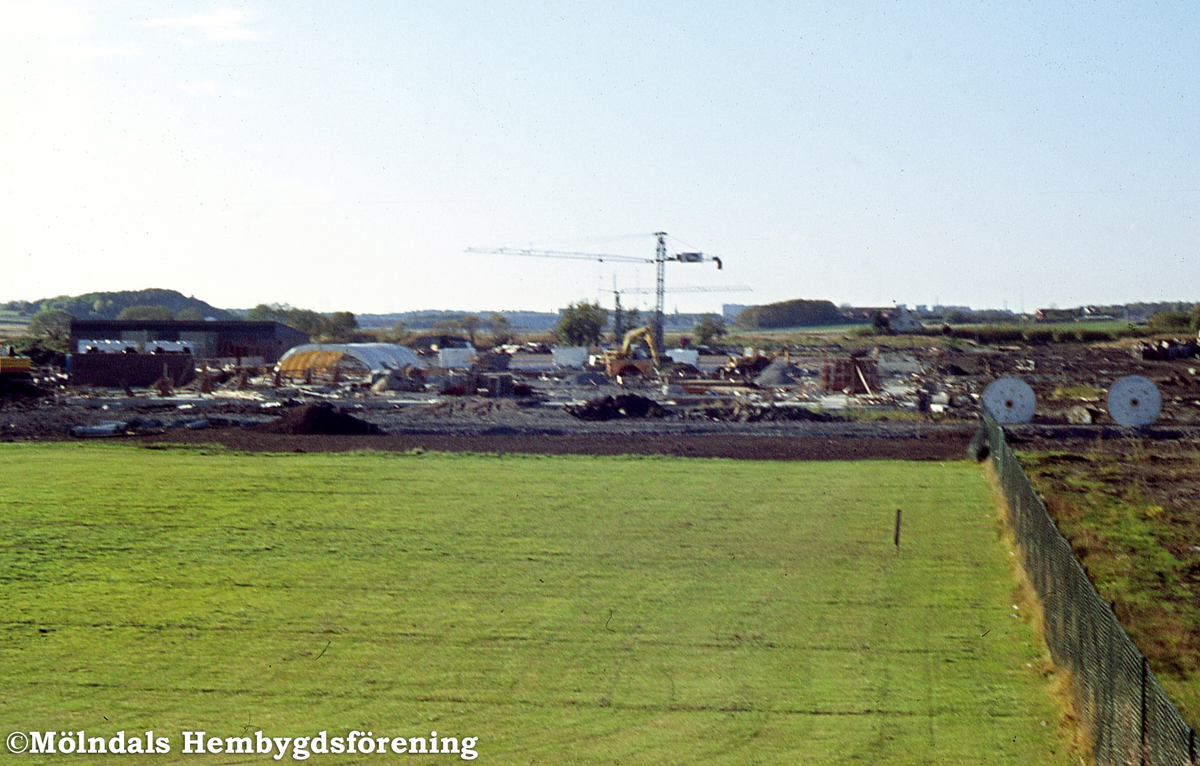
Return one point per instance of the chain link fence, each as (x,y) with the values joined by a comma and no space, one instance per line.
(1125,711)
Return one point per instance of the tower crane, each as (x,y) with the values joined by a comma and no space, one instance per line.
(618,327)
(659,260)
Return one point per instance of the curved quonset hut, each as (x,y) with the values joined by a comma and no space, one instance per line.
(353,358)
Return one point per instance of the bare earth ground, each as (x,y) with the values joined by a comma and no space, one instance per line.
(1062,376)
(940,445)
(482,426)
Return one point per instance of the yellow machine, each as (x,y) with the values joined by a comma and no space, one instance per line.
(627,361)
(15,365)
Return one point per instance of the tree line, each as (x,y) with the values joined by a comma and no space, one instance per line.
(584,324)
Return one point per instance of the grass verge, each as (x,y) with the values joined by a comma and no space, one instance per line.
(583,610)
(1133,532)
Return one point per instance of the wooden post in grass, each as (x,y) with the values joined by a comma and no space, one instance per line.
(896,539)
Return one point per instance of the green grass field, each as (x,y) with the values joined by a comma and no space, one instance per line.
(562,610)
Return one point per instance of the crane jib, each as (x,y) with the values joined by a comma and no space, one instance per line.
(601,257)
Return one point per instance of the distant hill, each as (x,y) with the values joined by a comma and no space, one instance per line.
(109,305)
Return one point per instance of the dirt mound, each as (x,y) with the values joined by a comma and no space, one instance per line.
(613,407)
(397,381)
(473,407)
(778,373)
(319,418)
(18,389)
(681,370)
(588,379)
(748,412)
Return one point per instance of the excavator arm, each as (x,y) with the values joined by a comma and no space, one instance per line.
(618,362)
(644,334)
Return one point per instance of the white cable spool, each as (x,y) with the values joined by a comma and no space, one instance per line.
(1010,400)
(1134,401)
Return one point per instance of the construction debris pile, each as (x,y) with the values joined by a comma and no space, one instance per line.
(319,418)
(613,407)
(349,390)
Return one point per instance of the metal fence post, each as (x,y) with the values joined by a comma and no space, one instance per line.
(1145,671)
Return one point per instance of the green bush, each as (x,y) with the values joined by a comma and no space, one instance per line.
(40,350)
(581,324)
(992,334)
(1038,336)
(1094,336)
(1169,321)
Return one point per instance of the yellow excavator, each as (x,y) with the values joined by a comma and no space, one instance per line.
(630,359)
(15,366)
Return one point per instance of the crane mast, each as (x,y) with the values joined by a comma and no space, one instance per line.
(660,265)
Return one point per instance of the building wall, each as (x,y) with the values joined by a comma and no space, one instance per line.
(134,370)
(208,340)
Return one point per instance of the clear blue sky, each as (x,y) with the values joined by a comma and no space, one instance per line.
(343,155)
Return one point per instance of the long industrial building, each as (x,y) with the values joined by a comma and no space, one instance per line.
(112,352)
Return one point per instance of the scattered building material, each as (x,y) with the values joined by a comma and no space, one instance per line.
(1163,350)
(457,358)
(1082,415)
(850,375)
(680,371)
(573,357)
(319,418)
(760,412)
(621,406)
(745,367)
(688,356)
(778,373)
(588,379)
(493,362)
(410,379)
(106,428)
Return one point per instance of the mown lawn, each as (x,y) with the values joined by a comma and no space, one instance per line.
(562,610)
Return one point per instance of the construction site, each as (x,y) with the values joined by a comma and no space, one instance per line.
(241,379)
(596,399)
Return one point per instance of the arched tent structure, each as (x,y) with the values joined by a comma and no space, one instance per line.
(353,358)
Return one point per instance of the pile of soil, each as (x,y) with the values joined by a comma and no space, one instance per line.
(778,373)
(18,388)
(589,379)
(613,407)
(747,412)
(319,418)
(681,370)
(473,407)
